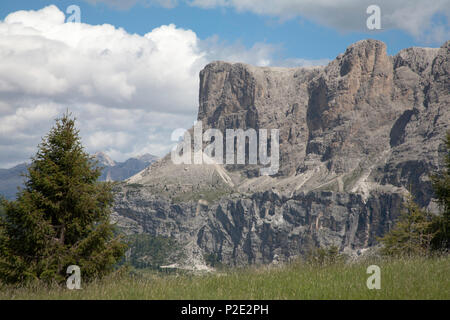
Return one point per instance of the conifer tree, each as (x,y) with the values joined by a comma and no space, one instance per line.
(61,217)
(411,235)
(441,186)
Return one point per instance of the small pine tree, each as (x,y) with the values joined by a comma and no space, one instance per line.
(411,234)
(61,217)
(441,186)
(2,230)
(325,256)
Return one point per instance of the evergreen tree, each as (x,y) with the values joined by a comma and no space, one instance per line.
(441,186)
(411,235)
(2,230)
(61,217)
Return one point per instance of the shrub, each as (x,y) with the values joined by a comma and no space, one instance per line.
(325,256)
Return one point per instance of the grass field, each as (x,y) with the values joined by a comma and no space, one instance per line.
(400,279)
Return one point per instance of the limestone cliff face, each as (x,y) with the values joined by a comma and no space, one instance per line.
(355,135)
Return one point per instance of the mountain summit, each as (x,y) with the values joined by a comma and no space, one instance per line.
(355,137)
(118,171)
(104,160)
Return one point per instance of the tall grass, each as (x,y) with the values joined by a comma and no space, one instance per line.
(417,278)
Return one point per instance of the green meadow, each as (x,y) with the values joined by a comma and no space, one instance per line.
(413,278)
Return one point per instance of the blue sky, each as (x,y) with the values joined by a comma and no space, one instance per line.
(129,71)
(297,37)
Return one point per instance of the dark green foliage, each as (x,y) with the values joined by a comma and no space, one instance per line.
(325,256)
(411,235)
(441,186)
(213,260)
(2,229)
(61,217)
(417,232)
(147,251)
(2,208)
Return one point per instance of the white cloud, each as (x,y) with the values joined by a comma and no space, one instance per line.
(298,62)
(126,4)
(413,16)
(417,17)
(127,91)
(260,54)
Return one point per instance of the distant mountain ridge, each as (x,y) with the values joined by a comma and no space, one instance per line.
(118,171)
(104,160)
(11,179)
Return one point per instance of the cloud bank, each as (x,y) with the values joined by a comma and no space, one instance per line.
(127,91)
(427,21)
(417,17)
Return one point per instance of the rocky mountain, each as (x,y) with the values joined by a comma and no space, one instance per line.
(118,171)
(11,179)
(355,137)
(104,160)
